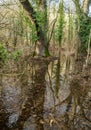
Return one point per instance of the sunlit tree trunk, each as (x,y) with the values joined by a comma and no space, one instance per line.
(85,6)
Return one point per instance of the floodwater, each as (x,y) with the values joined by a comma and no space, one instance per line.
(45,94)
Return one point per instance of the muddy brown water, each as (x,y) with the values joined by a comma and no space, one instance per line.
(45,95)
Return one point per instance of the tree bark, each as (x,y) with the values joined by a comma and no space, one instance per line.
(84,21)
(85,6)
(41,43)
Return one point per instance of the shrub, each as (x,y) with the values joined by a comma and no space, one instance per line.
(3,54)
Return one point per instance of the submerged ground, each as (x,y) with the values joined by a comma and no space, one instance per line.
(46,94)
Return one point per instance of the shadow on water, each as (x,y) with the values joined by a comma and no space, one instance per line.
(46,95)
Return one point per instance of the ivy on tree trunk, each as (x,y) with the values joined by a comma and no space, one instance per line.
(39,18)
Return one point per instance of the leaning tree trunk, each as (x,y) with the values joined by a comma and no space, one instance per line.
(41,29)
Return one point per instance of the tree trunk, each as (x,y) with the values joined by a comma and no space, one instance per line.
(85,6)
(84,23)
(34,104)
(41,30)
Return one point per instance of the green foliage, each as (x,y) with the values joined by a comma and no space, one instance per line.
(23,25)
(33,36)
(16,54)
(47,52)
(85,26)
(60,25)
(3,54)
(40,17)
(6,55)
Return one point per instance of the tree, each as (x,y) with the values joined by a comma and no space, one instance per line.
(37,12)
(85,5)
(84,24)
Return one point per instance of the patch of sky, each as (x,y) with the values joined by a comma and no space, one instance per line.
(89,14)
(81,1)
(69,5)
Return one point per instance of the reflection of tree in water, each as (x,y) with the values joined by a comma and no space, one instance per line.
(75,114)
(78,104)
(3,113)
(3,117)
(35,101)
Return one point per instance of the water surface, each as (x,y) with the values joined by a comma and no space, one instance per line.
(45,94)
